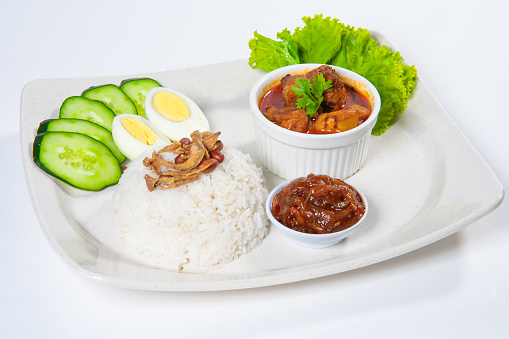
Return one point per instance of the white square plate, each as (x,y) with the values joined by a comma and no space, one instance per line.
(423,179)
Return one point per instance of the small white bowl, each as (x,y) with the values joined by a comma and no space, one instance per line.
(308,239)
(291,154)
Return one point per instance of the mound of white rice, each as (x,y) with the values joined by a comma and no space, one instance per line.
(207,222)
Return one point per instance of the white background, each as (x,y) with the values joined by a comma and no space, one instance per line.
(455,288)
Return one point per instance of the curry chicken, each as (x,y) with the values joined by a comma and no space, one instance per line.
(341,109)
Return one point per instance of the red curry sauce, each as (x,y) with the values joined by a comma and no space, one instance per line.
(274,97)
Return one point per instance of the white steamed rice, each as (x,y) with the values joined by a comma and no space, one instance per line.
(207,222)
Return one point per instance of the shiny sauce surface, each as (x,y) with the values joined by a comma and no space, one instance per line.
(274,97)
(318,204)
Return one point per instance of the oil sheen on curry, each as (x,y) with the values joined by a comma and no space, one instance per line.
(318,204)
(341,109)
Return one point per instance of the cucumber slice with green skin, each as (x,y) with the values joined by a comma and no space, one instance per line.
(76,159)
(113,97)
(84,127)
(137,90)
(86,109)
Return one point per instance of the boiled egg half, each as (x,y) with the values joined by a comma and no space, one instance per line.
(173,113)
(133,134)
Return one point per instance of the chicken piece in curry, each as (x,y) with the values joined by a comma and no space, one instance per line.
(342,107)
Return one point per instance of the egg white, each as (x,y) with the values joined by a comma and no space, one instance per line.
(129,145)
(176,130)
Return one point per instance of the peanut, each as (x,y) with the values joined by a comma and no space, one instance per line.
(185,141)
(217,155)
(211,163)
(179,159)
(219,145)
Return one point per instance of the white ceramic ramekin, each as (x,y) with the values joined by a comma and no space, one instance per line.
(307,239)
(290,154)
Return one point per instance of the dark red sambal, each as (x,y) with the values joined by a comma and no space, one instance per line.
(318,204)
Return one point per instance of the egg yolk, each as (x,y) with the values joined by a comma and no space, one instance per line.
(171,106)
(139,130)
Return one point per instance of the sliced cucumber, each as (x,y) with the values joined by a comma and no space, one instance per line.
(84,127)
(77,159)
(137,89)
(113,97)
(86,109)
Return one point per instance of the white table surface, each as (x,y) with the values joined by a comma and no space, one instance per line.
(455,288)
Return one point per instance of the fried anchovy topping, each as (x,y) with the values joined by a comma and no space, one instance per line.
(194,158)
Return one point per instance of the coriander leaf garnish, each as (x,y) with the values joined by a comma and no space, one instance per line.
(311,93)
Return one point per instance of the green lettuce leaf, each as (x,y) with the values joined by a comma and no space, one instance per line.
(319,40)
(328,41)
(268,54)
